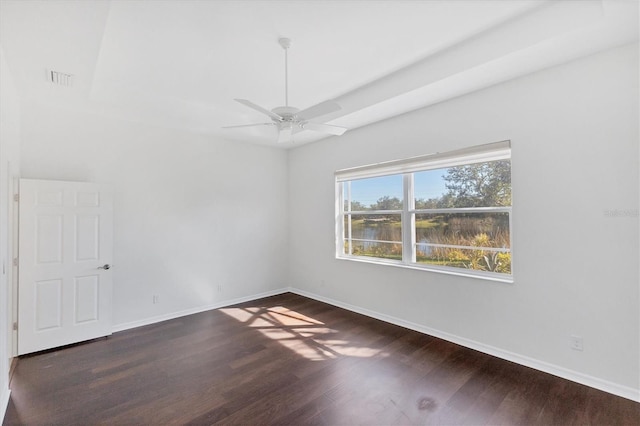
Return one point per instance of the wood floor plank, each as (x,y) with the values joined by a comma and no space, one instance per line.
(286,360)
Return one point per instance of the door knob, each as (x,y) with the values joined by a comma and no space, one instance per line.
(105,266)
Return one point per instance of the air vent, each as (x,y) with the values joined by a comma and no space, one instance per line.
(59,78)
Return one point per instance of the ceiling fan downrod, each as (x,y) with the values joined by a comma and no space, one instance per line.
(286,44)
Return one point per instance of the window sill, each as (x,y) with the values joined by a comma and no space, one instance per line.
(487,276)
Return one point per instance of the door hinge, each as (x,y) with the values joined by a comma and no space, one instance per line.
(16,197)
(15,326)
(15,261)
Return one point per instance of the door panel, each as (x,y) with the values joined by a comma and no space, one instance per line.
(87,297)
(87,230)
(49,239)
(65,237)
(48,304)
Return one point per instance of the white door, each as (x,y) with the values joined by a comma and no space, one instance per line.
(65,251)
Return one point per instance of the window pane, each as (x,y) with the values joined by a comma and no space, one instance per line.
(463,229)
(377,249)
(345,228)
(479,260)
(474,185)
(376,235)
(345,196)
(381,193)
(430,189)
(376,227)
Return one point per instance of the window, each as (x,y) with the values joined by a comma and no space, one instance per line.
(447,212)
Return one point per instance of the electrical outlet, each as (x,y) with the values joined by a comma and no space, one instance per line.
(156,299)
(575,342)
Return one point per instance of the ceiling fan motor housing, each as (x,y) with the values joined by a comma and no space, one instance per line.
(284,42)
(288,114)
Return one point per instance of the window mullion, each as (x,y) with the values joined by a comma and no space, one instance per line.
(349,236)
(339,228)
(408,220)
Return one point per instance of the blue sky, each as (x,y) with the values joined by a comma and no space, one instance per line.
(428,184)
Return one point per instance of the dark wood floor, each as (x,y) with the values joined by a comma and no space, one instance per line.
(291,360)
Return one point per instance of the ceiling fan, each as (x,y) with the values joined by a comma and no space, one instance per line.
(290,120)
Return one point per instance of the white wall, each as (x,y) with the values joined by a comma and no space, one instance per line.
(574,133)
(191,213)
(9,168)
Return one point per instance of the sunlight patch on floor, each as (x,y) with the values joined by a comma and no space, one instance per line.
(304,335)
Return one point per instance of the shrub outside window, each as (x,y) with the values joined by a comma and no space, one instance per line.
(446,212)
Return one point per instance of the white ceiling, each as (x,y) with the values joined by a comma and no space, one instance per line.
(180,64)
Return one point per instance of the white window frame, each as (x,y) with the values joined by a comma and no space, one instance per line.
(477,154)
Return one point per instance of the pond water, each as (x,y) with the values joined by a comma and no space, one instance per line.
(383,235)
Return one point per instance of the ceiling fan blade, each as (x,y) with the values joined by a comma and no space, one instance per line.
(320,109)
(259,108)
(249,125)
(285,135)
(325,128)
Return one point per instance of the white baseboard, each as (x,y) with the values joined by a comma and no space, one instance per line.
(565,373)
(4,403)
(191,311)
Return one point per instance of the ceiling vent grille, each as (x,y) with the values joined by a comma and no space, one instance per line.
(59,78)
